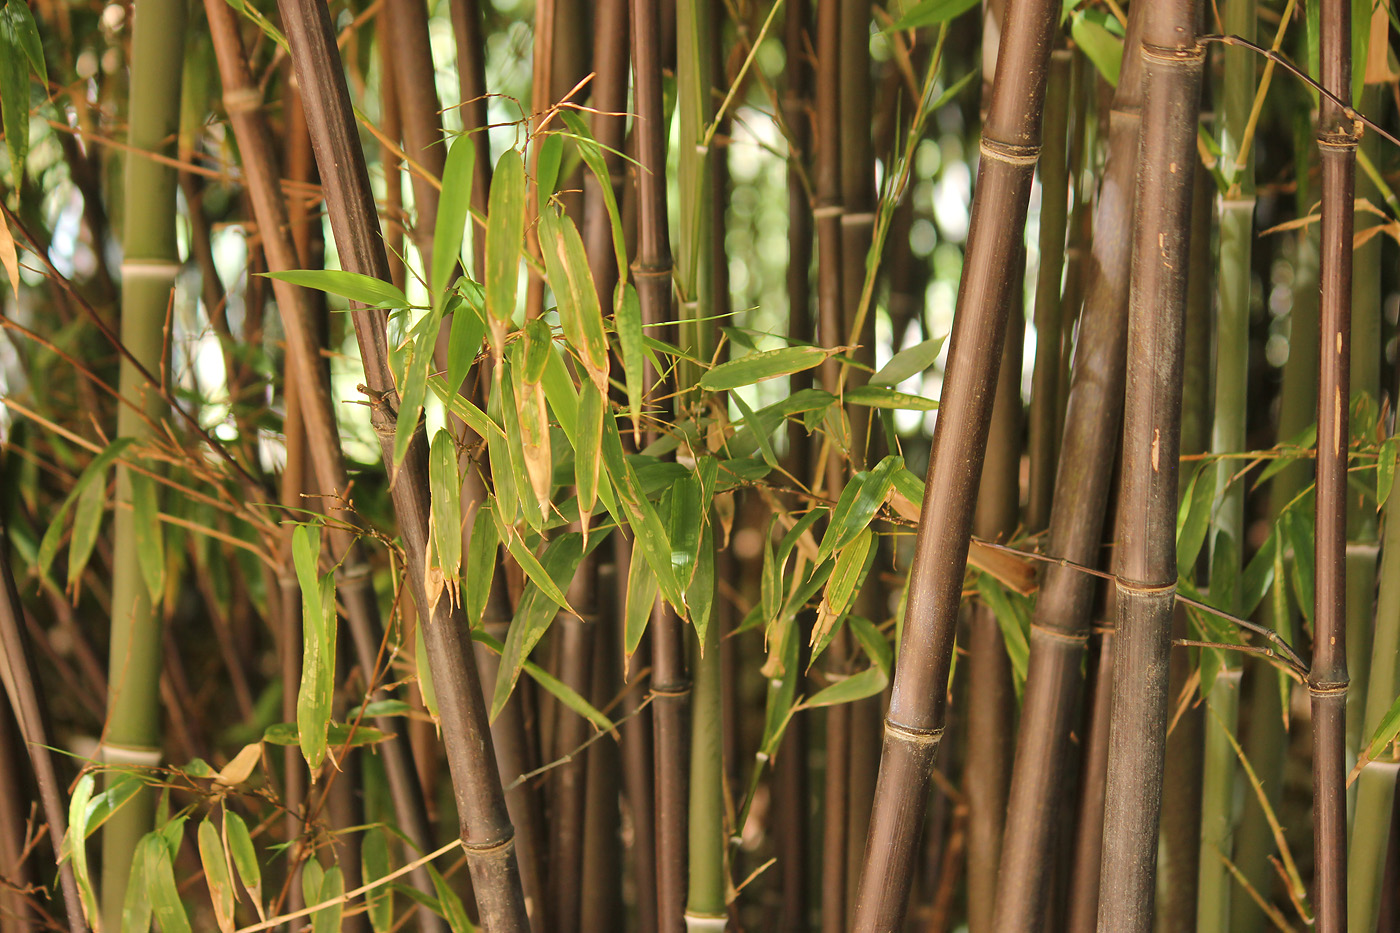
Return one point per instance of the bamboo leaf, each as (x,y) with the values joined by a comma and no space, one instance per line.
(327,920)
(1258,576)
(1193,517)
(505,233)
(873,396)
(875,645)
(910,362)
(87,521)
(536,611)
(424,670)
(684,517)
(641,600)
(760,367)
(498,448)
(534,571)
(339,734)
(627,318)
(1385,469)
(648,530)
(700,593)
(592,155)
(136,906)
(216,874)
(557,688)
(318,646)
(931,13)
(150,542)
(445,487)
(481,565)
(852,564)
(463,341)
(1014,624)
(245,858)
(519,478)
(417,360)
(859,502)
(365,289)
(765,445)
(535,453)
(374,864)
(1297,527)
(96,472)
(75,845)
(452,910)
(572,282)
(1385,733)
(14,85)
(587,445)
(867,683)
(312,875)
(474,417)
(453,206)
(1102,47)
(166,906)
(240,768)
(551,154)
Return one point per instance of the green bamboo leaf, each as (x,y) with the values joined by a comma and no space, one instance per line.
(498,447)
(587,445)
(14,88)
(641,599)
(852,564)
(318,646)
(867,683)
(475,418)
(417,361)
(312,874)
(910,362)
(453,207)
(536,612)
(452,910)
(464,339)
(374,864)
(445,487)
(1013,622)
(592,155)
(647,527)
(765,445)
(517,475)
(1258,576)
(534,571)
(96,472)
(760,367)
(536,456)
(685,514)
(1291,451)
(339,734)
(555,687)
(627,318)
(365,289)
(539,347)
(150,542)
(1385,469)
(1102,47)
(136,906)
(770,587)
(481,565)
(875,645)
(551,154)
(424,670)
(700,593)
(572,282)
(794,534)
(120,790)
(1386,732)
(766,420)
(1193,517)
(1297,527)
(216,874)
(87,521)
(75,845)
(873,396)
(858,505)
(168,910)
(245,857)
(22,33)
(327,920)
(931,13)
(505,233)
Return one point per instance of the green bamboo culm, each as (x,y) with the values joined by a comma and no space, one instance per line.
(1327,680)
(914,724)
(149,263)
(1215,884)
(1173,61)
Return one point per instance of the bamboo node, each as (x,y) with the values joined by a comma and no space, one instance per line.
(827,210)
(141,756)
(1137,588)
(1338,140)
(499,847)
(857,218)
(681,689)
(1005,152)
(913,735)
(149,269)
(1174,55)
(1069,638)
(242,100)
(1328,688)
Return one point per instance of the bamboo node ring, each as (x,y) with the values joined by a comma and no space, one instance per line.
(1068,638)
(854,218)
(642,272)
(242,100)
(913,735)
(149,269)
(674,690)
(128,755)
(1005,152)
(1328,688)
(500,846)
(1337,140)
(1136,588)
(1173,55)
(827,210)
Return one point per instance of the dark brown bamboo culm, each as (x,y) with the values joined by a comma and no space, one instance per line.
(1337,139)
(486,832)
(1009,149)
(1060,623)
(992,698)
(315,405)
(1172,62)
(670,683)
(31,717)
(468,33)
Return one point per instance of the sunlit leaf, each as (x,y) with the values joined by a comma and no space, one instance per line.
(453,206)
(641,599)
(910,362)
(505,234)
(365,289)
(463,342)
(536,611)
(1193,517)
(867,683)
(932,12)
(760,367)
(859,502)
(627,318)
(216,874)
(852,564)
(75,844)
(445,486)
(873,396)
(1102,47)
(166,906)
(87,521)
(587,445)
(245,858)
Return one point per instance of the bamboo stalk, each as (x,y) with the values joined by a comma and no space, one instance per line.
(31,717)
(1045,378)
(669,681)
(467,30)
(1327,680)
(992,703)
(1172,62)
(914,724)
(149,263)
(485,828)
(1060,620)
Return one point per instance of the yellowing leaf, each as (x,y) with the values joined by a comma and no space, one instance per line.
(241,767)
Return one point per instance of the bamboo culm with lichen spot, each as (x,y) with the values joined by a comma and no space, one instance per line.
(1172,62)
(1060,619)
(1010,144)
(1327,679)
(132,732)
(485,829)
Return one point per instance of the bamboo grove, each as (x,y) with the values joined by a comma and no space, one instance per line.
(668,465)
